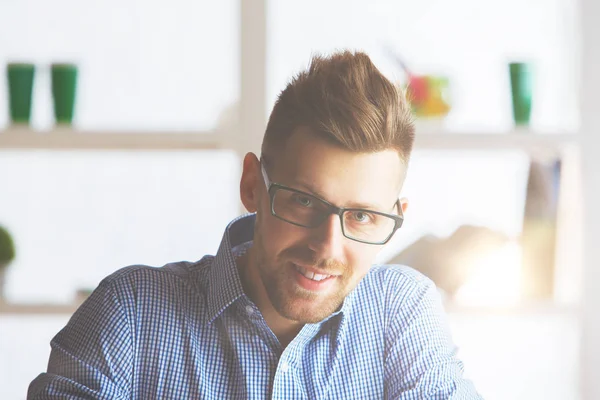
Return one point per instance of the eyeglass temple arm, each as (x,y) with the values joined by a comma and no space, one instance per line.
(264,174)
(399,207)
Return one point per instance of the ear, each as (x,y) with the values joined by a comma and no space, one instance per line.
(251,182)
(404,204)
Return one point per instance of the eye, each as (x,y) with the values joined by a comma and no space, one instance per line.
(303,200)
(362,217)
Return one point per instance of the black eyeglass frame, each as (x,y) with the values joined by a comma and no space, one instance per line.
(273,187)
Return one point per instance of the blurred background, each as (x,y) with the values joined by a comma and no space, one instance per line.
(166,99)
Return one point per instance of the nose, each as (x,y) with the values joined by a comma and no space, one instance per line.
(327,239)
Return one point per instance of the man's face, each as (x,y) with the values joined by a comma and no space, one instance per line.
(286,256)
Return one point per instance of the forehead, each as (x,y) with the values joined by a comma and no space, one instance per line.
(342,177)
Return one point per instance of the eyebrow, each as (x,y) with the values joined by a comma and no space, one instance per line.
(365,206)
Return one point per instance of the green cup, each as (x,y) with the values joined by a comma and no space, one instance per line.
(20,91)
(64,88)
(521,77)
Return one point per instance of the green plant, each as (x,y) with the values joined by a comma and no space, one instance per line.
(7,247)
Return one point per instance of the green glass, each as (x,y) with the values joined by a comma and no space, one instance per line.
(64,88)
(20,91)
(521,77)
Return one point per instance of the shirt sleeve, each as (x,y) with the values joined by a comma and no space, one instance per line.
(91,357)
(421,358)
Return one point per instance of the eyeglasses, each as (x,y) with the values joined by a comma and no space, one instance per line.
(303,209)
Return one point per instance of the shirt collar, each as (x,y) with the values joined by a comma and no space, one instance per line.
(225,285)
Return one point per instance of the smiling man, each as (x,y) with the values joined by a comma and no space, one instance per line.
(291,306)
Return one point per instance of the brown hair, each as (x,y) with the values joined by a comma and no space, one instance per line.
(345,99)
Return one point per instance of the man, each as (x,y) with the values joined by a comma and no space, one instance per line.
(291,306)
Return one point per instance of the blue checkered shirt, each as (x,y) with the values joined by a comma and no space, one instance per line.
(188,331)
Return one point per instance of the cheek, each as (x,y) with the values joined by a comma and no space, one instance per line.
(278,235)
(361,260)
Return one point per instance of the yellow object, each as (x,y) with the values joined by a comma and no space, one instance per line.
(435,102)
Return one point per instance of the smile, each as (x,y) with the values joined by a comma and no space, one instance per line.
(311,275)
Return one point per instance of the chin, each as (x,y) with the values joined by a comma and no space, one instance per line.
(308,311)
(295,302)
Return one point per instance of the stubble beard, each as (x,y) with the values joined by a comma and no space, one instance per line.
(294,302)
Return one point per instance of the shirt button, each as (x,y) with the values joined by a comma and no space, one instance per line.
(249,310)
(285,367)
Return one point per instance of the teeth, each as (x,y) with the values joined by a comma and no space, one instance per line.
(311,275)
(319,277)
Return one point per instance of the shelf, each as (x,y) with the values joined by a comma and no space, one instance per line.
(38,309)
(515,140)
(67,139)
(542,308)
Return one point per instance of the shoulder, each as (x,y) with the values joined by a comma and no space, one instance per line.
(394,291)
(176,277)
(394,280)
(181,270)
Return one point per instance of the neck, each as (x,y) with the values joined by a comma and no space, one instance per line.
(284,329)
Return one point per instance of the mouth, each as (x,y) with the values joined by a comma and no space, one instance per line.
(311,280)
